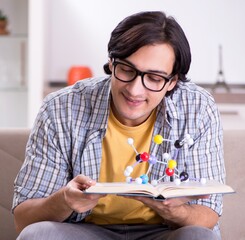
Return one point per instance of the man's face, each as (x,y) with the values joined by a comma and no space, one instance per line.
(132,103)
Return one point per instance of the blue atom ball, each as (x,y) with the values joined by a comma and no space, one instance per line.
(144,178)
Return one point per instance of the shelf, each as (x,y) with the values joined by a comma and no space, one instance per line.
(231,94)
(232,98)
(232,86)
(13,89)
(14,36)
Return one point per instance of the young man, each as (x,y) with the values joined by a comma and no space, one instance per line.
(80,137)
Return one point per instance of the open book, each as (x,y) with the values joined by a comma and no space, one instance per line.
(163,190)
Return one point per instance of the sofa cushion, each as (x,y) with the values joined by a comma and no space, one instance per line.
(12,151)
(233,217)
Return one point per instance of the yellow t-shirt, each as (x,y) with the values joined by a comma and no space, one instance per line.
(117,154)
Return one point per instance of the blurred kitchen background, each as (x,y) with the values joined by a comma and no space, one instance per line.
(41,41)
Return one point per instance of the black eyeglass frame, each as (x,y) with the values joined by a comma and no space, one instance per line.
(142,74)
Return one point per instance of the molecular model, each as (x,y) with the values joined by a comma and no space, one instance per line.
(171,169)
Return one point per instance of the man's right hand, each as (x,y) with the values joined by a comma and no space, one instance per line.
(59,205)
(74,196)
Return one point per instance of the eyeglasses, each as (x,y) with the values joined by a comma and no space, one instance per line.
(151,81)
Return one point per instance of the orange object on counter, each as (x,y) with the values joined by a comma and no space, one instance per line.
(78,73)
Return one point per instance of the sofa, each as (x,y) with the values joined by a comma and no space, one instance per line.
(12,148)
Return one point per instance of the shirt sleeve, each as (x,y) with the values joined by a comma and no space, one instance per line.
(46,167)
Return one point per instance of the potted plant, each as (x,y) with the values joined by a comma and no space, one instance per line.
(3,24)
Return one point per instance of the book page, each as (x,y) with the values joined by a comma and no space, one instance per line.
(123,188)
(165,189)
(192,188)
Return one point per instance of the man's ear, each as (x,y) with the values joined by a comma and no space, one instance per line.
(110,64)
(172,83)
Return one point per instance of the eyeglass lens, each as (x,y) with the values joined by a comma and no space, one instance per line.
(127,73)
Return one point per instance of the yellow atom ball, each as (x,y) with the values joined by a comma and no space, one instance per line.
(172,164)
(158,139)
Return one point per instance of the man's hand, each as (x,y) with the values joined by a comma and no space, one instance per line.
(59,205)
(74,196)
(177,212)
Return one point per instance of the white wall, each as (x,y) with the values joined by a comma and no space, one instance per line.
(36,54)
(78,33)
(67,32)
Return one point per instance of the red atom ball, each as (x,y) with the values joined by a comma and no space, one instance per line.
(144,156)
(169,172)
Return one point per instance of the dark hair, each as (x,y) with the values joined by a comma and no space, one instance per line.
(149,28)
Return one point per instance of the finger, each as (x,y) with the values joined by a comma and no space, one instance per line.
(145,200)
(200,197)
(93,196)
(205,196)
(85,181)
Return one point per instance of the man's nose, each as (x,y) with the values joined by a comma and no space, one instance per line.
(136,86)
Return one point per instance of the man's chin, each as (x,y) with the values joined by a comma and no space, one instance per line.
(132,119)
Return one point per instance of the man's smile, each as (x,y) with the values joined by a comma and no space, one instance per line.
(133,101)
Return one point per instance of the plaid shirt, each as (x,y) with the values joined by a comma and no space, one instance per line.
(67,139)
